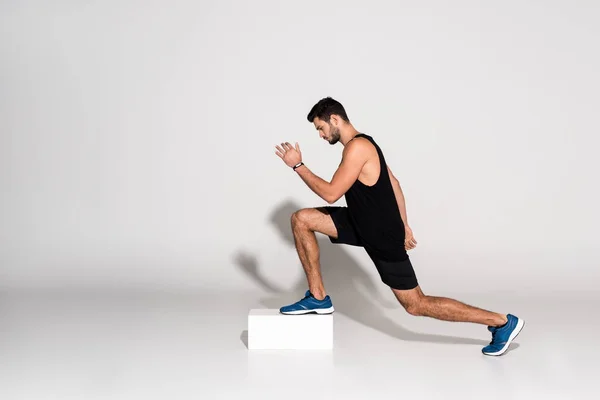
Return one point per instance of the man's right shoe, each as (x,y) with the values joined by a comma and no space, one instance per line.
(308,304)
(503,336)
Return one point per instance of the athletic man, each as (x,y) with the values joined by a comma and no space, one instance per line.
(375,219)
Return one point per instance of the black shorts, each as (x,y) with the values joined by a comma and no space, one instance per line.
(395,270)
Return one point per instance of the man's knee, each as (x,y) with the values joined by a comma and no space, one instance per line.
(415,308)
(413,301)
(300,219)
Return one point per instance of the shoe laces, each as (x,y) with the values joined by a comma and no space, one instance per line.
(306,297)
(494,331)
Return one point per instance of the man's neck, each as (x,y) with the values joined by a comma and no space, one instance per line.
(346,137)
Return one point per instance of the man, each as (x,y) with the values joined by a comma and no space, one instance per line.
(375,219)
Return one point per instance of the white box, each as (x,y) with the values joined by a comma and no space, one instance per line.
(268,329)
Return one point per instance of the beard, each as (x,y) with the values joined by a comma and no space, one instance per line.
(335,135)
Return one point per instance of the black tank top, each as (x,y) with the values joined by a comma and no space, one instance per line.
(375,214)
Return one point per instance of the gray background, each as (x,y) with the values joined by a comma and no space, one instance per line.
(137,138)
(143,210)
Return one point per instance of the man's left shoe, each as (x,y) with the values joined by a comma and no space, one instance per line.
(503,336)
(309,304)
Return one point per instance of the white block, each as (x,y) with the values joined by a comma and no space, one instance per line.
(269,329)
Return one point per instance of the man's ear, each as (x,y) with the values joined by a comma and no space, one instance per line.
(334,120)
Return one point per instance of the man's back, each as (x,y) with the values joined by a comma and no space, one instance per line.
(373,208)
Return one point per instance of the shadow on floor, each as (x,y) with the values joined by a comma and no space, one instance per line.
(345,281)
(244,338)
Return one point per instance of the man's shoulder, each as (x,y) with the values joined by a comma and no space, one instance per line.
(360,147)
(359,143)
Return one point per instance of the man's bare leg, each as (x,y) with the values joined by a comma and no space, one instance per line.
(305,223)
(443,308)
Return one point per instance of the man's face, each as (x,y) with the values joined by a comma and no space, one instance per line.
(328,130)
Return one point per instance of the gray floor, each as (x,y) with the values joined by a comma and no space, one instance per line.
(108,343)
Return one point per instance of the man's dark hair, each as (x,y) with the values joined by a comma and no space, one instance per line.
(325,108)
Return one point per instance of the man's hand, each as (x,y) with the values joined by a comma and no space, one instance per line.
(409,240)
(290,155)
(354,158)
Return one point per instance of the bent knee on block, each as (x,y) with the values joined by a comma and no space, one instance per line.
(298,218)
(303,219)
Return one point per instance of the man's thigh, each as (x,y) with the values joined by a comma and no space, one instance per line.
(333,221)
(317,219)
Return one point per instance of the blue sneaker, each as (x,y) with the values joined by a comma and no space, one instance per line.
(308,304)
(503,336)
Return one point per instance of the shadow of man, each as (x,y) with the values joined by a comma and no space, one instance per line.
(342,276)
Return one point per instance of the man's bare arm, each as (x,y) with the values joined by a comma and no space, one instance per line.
(317,184)
(353,159)
(399,196)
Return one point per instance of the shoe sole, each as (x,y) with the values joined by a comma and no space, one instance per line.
(513,336)
(313,311)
